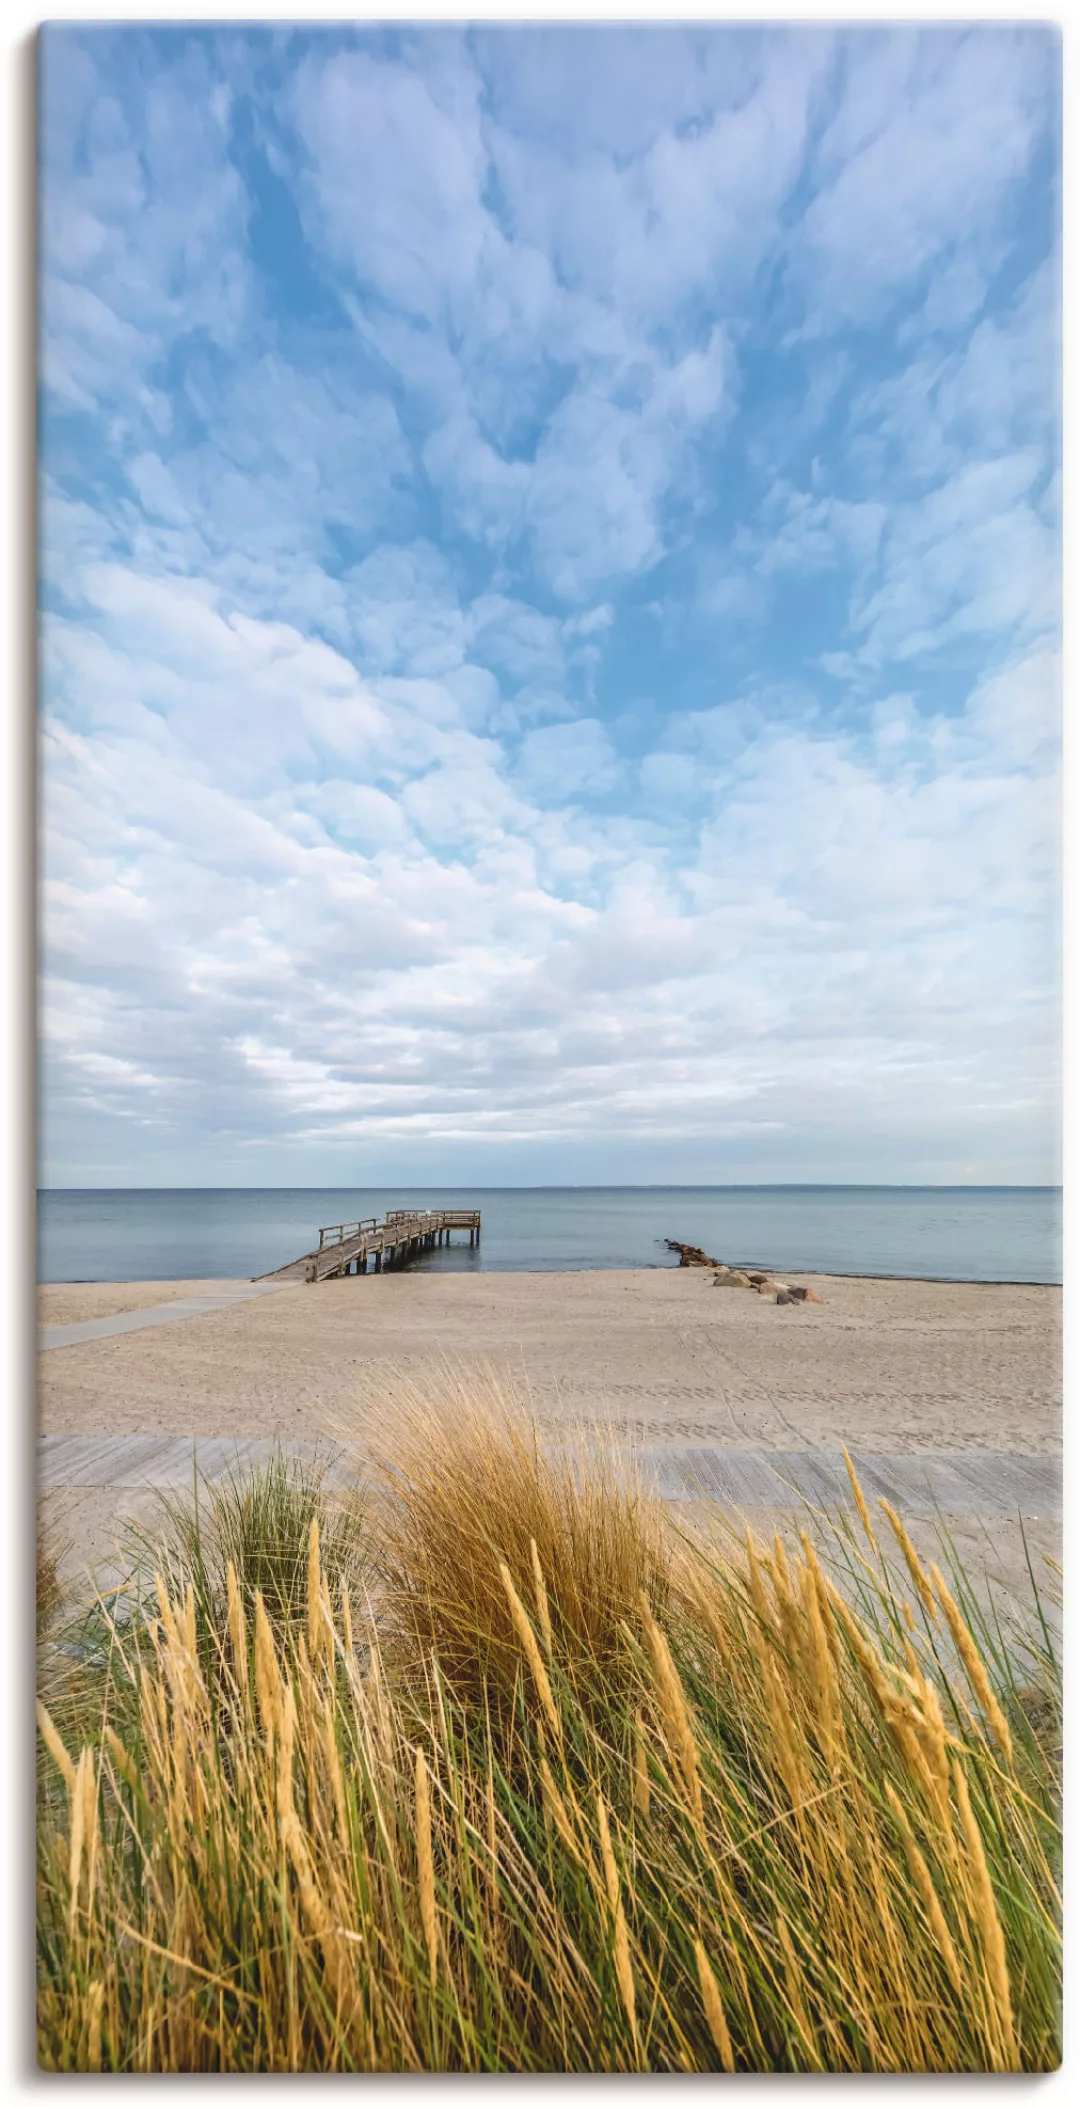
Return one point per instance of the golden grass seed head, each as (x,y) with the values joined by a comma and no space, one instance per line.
(675,1713)
(237,1622)
(314,1589)
(974,1667)
(543,1611)
(920,1872)
(624,1973)
(425,1864)
(911,1558)
(987,1916)
(642,1788)
(714,2009)
(860,1502)
(125,1763)
(527,1636)
(55,1746)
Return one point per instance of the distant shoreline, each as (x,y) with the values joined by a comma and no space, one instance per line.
(790,1186)
(930,1280)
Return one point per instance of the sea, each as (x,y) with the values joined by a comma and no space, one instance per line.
(990,1233)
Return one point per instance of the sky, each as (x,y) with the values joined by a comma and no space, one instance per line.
(549,582)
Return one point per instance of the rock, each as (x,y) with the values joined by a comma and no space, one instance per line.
(728,1278)
(810,1296)
(799,1294)
(783,1296)
(737,1279)
(768,1294)
(758,1280)
(691,1254)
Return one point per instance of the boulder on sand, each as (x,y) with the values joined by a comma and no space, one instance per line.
(782,1295)
(759,1280)
(730,1277)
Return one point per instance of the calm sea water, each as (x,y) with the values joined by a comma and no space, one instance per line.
(918,1232)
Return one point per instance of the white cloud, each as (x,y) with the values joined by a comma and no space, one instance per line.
(973,558)
(436,748)
(929,135)
(833,902)
(561,761)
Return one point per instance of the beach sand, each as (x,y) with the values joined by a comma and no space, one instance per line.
(665,1355)
(79,1301)
(659,1356)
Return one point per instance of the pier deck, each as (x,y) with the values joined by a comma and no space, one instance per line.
(346,1247)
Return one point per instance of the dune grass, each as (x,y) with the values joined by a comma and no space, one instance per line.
(49,1588)
(258,1522)
(558,1791)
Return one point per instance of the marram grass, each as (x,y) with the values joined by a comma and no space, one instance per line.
(690,1810)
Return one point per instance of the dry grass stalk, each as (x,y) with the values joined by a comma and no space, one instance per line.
(757,1586)
(83,1773)
(95,1999)
(124,1762)
(911,1558)
(987,1918)
(714,2010)
(642,1788)
(314,1590)
(267,1674)
(793,1975)
(425,1864)
(620,1937)
(56,1747)
(974,1667)
(542,1610)
(920,1873)
(556,1811)
(532,1652)
(675,1713)
(860,1502)
(236,1620)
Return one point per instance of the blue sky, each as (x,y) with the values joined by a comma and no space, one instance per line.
(550,587)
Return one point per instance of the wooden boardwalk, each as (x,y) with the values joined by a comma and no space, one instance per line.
(346,1247)
(981,1482)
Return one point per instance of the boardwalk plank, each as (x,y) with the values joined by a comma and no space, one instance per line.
(985,1482)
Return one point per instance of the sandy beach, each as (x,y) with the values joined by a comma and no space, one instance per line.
(76,1302)
(663,1355)
(660,1356)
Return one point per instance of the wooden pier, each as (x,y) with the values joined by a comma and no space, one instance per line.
(346,1247)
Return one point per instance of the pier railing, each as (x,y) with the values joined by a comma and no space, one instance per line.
(403,1233)
(341,1232)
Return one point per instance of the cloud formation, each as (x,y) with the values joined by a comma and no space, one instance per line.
(550,604)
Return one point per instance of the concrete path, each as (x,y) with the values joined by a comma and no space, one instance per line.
(958,1482)
(50,1335)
